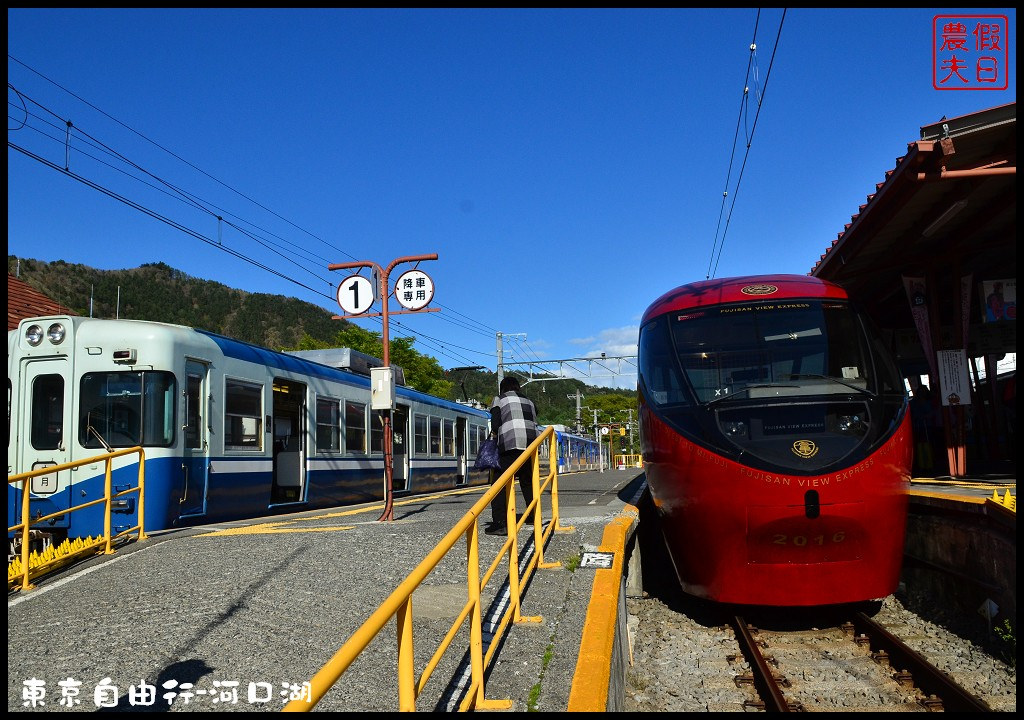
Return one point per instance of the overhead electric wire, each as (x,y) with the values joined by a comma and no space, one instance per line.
(752,62)
(152,213)
(174,192)
(199,204)
(178,157)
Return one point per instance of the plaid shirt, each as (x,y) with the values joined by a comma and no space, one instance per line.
(514,421)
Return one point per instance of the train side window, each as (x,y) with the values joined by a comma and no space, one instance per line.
(243,415)
(355,427)
(328,429)
(193,400)
(377,431)
(158,394)
(475,436)
(448,433)
(47,412)
(435,436)
(420,434)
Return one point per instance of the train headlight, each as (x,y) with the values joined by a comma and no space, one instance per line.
(848,423)
(734,428)
(56,333)
(33,335)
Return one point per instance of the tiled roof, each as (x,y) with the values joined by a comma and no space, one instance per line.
(25,301)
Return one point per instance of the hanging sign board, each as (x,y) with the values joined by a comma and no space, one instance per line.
(355,295)
(414,289)
(953,382)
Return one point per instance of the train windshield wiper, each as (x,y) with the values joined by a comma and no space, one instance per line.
(735,393)
(838,381)
(790,388)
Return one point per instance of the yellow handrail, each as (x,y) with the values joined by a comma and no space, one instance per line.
(629,460)
(27,522)
(399,602)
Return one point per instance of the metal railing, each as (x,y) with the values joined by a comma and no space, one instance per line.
(634,461)
(399,603)
(104,543)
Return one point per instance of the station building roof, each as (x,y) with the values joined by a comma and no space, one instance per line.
(24,301)
(948,209)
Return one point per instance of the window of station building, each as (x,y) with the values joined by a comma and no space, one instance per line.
(448,437)
(377,431)
(435,436)
(328,429)
(355,427)
(243,415)
(420,434)
(127,409)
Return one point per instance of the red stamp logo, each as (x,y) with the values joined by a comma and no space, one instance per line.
(970,52)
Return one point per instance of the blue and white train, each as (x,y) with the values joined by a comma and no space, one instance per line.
(576,453)
(230,430)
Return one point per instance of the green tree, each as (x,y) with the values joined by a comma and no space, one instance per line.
(422,372)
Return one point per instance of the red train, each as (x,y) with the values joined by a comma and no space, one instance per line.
(777,442)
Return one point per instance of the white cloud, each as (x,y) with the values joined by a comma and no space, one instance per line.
(615,342)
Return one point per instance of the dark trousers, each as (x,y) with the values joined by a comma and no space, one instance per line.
(524,478)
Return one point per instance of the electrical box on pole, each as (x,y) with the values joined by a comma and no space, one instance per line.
(382,388)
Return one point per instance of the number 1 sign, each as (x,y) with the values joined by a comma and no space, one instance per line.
(355,294)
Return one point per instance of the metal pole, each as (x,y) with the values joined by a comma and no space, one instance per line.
(388,513)
(501,362)
(629,427)
(501,371)
(389,471)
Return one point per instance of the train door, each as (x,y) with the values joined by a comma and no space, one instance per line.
(400,448)
(289,426)
(44,435)
(195,453)
(461,467)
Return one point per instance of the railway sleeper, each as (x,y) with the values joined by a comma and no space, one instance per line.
(881,657)
(903,678)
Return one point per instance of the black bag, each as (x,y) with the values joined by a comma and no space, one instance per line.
(487,457)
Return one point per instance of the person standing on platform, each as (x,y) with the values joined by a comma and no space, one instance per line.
(921,415)
(514,422)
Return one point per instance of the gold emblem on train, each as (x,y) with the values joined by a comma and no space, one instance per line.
(805,448)
(759,289)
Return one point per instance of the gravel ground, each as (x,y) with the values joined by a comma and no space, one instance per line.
(679,651)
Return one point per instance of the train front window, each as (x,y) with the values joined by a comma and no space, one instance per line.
(659,366)
(790,348)
(126,409)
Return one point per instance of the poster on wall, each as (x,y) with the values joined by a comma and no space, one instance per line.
(954,385)
(999,298)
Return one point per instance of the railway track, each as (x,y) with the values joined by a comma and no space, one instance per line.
(857,666)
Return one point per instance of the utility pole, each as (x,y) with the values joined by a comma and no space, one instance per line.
(501,367)
(597,436)
(579,419)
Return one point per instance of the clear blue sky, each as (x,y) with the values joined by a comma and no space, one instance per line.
(567,166)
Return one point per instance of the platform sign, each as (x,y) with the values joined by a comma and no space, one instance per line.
(414,289)
(597,560)
(355,295)
(954,384)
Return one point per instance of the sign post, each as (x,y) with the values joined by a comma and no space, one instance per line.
(357,294)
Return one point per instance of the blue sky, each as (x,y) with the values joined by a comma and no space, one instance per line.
(567,166)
